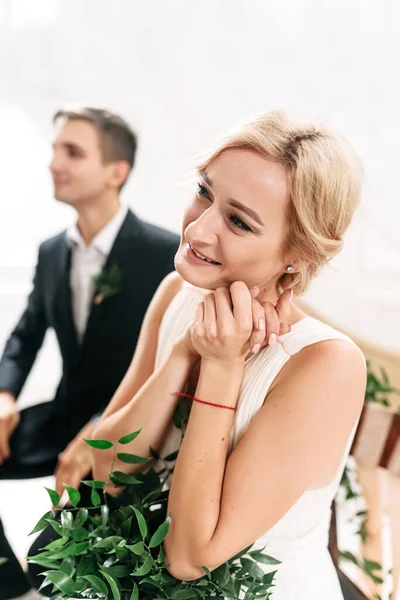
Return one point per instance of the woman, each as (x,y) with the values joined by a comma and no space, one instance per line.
(270,427)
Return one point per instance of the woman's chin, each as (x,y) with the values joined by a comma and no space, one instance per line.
(194,276)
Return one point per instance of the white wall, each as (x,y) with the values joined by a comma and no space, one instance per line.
(182,72)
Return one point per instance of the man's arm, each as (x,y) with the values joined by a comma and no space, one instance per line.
(25,340)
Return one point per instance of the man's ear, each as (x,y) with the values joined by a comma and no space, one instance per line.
(118,173)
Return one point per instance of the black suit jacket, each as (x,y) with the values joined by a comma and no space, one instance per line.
(93,369)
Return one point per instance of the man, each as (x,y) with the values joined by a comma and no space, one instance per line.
(97,323)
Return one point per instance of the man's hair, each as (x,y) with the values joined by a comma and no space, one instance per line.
(118,141)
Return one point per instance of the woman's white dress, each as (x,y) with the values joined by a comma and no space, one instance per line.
(300,538)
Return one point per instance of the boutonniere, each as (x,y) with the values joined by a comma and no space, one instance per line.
(107,282)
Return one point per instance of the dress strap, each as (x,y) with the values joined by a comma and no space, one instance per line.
(309,331)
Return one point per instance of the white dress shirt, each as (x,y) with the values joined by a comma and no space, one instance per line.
(87,262)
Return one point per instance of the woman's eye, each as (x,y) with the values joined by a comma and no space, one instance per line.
(202,191)
(239,223)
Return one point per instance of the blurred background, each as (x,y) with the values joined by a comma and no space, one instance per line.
(183,72)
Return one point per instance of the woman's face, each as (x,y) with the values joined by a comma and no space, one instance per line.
(237,219)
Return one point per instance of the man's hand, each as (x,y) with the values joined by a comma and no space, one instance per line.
(75,462)
(9,419)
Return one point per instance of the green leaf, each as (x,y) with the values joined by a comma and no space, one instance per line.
(99,444)
(136,548)
(172,456)
(95,483)
(349,556)
(62,581)
(116,571)
(161,555)
(95,498)
(135,592)
(160,534)
(57,544)
(129,438)
(120,478)
(183,594)
(371,565)
(154,454)
(81,517)
(141,522)
(54,496)
(66,521)
(241,553)
(79,534)
(56,526)
(42,523)
(268,577)
(108,542)
(43,562)
(131,459)
(145,568)
(68,566)
(71,549)
(105,512)
(113,585)
(264,558)
(73,494)
(97,583)
(207,572)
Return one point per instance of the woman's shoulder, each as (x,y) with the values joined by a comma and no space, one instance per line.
(322,352)
(308,331)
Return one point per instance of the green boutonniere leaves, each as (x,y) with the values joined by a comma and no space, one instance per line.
(107,282)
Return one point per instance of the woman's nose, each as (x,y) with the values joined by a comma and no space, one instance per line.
(204,231)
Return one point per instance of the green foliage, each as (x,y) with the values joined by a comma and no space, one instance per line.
(371,568)
(117,554)
(378,388)
(108,281)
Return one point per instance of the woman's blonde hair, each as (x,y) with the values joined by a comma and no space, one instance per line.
(325,183)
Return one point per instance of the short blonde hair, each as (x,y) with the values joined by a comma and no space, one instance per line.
(325,179)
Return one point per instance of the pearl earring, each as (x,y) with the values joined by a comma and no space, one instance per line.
(289,269)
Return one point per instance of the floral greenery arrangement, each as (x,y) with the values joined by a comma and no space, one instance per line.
(377,390)
(117,553)
(107,282)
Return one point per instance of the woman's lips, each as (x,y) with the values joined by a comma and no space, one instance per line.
(194,259)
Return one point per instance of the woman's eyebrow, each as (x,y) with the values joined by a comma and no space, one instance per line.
(236,204)
(246,209)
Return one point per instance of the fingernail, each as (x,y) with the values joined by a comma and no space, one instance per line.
(272,339)
(291,295)
(255,348)
(261,325)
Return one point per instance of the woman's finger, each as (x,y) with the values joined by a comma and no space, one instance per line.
(223,306)
(283,307)
(272,323)
(242,306)
(258,336)
(199,312)
(210,315)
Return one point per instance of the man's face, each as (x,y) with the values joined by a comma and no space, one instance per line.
(79,173)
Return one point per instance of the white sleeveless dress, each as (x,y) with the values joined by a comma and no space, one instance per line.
(300,538)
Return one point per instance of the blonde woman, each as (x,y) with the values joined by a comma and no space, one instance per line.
(273,415)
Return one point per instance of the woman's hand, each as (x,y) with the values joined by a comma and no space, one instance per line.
(269,321)
(223,324)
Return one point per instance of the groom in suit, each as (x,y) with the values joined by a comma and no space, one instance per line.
(92,285)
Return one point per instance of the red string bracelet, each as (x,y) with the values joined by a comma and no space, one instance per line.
(205,402)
